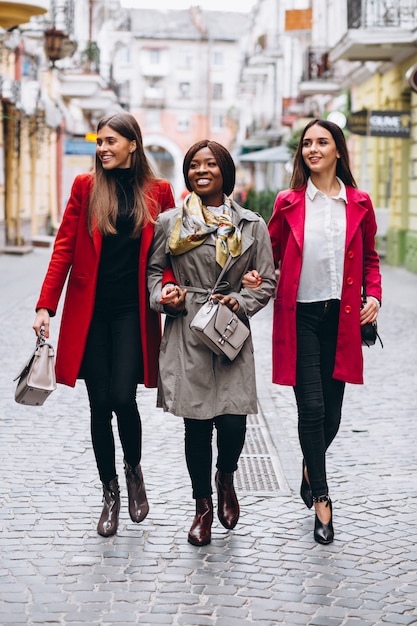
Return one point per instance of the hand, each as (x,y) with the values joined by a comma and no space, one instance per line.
(230,302)
(41,320)
(173,298)
(369,312)
(251,280)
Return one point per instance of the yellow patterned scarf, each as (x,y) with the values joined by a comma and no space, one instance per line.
(195,223)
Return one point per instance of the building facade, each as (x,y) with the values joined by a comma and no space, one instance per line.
(249,81)
(354,61)
(177,72)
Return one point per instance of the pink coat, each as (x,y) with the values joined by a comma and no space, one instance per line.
(286,229)
(77,253)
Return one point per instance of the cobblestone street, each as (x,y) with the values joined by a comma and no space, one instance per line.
(269,571)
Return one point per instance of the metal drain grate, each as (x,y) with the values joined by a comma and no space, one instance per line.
(258,468)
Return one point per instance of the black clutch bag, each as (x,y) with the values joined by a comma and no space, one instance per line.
(369,331)
(369,334)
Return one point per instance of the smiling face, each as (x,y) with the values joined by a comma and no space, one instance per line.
(113,149)
(205,177)
(319,150)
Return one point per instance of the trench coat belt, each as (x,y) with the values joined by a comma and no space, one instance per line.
(196,289)
(222,287)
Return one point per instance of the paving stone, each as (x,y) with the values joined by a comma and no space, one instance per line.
(269,570)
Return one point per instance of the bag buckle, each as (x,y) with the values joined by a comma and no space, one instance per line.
(228,331)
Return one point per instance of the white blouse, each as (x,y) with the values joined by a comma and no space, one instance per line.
(324,245)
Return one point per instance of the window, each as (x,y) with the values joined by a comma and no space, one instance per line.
(217,121)
(153,120)
(185,90)
(218,58)
(123,55)
(186,59)
(155,56)
(183,123)
(217,91)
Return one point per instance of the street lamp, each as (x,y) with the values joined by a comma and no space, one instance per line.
(54,39)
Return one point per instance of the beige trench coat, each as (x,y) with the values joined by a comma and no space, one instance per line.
(193,381)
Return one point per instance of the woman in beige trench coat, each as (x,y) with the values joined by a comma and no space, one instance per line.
(205,389)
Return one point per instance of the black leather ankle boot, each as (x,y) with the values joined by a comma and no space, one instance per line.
(109,519)
(200,531)
(227,503)
(138,502)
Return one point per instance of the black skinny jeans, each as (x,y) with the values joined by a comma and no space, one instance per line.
(231,430)
(111,367)
(319,396)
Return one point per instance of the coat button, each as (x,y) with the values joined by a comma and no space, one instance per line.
(348,308)
(187,282)
(349,280)
(350,254)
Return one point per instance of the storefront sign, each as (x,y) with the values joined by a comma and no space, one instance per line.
(357,122)
(395,124)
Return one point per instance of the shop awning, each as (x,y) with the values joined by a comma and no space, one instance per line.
(278,154)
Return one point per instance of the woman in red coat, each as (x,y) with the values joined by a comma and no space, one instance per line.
(108,335)
(323,234)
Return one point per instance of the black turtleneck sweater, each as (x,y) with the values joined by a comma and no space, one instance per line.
(117,282)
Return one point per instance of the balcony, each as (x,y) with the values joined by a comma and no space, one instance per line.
(378,31)
(157,70)
(154,97)
(319,76)
(90,94)
(13,13)
(81,84)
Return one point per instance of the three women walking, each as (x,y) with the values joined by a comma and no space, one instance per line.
(128,259)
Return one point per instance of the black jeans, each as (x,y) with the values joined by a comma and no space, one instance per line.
(111,366)
(231,431)
(319,396)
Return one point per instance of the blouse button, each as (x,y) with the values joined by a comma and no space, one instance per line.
(351,254)
(348,308)
(349,280)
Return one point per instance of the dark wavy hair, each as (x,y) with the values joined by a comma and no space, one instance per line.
(103,201)
(301,171)
(224,161)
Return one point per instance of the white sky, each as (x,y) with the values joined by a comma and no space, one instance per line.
(242,6)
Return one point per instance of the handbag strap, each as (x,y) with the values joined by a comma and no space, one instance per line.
(364,283)
(222,273)
(363,268)
(41,339)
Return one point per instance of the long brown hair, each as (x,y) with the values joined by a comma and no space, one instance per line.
(301,171)
(103,204)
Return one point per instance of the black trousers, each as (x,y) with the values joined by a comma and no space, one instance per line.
(319,396)
(231,431)
(111,366)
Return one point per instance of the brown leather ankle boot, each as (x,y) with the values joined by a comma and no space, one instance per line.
(138,503)
(200,531)
(227,503)
(109,519)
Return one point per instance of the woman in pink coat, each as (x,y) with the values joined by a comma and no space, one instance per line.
(108,335)
(323,234)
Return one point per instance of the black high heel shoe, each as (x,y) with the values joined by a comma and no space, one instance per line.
(324,533)
(305,490)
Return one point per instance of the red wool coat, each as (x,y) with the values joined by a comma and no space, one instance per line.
(286,229)
(77,253)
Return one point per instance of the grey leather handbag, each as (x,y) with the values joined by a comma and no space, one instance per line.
(36,379)
(218,327)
